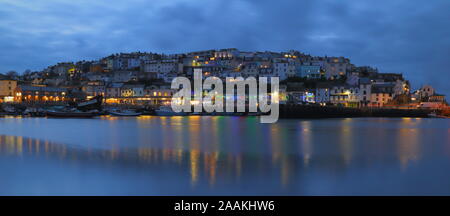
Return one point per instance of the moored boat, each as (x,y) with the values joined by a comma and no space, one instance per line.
(94,103)
(125,113)
(70,114)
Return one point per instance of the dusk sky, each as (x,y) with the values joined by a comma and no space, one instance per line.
(402,36)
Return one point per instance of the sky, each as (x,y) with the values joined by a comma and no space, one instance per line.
(402,36)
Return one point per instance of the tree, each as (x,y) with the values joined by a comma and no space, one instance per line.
(27,72)
(12,74)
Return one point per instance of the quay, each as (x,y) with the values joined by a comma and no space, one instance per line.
(290,111)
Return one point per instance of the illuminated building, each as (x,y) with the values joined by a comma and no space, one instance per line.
(344,95)
(298,97)
(7,88)
(132,91)
(117,93)
(26,93)
(94,88)
(381,94)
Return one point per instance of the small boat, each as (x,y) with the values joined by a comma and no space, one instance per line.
(13,110)
(167,111)
(34,112)
(70,114)
(125,113)
(435,115)
(92,104)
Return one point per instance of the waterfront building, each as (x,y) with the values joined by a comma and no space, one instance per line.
(365,93)
(27,93)
(344,95)
(283,94)
(159,95)
(7,88)
(323,93)
(139,95)
(381,94)
(301,97)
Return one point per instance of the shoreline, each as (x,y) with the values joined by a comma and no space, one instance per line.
(286,111)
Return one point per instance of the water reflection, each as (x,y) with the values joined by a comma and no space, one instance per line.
(222,155)
(200,164)
(408,146)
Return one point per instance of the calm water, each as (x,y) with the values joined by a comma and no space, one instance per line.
(224,156)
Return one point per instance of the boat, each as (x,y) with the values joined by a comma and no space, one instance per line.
(435,115)
(125,113)
(71,114)
(34,112)
(86,109)
(94,103)
(13,109)
(167,111)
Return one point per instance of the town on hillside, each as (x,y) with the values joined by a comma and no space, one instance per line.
(142,78)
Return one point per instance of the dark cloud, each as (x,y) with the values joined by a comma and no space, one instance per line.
(410,37)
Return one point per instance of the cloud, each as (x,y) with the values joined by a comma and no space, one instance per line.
(409,37)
